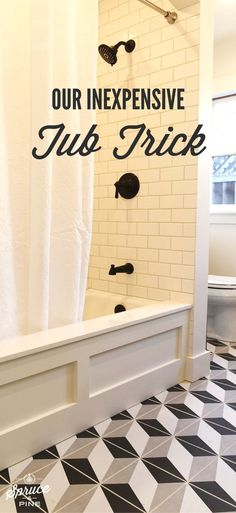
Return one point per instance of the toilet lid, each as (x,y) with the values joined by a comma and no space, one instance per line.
(222,282)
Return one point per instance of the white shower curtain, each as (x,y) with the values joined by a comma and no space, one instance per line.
(45,205)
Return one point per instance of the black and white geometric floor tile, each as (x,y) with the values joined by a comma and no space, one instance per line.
(173,453)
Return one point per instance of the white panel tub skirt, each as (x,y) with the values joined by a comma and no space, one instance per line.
(56,383)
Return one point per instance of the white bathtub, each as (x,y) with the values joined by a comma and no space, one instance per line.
(97,303)
(56,383)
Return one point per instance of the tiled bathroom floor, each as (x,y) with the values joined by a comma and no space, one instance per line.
(175,452)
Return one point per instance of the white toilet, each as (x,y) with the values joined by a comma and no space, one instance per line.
(221,319)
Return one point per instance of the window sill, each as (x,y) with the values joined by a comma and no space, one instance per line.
(225,214)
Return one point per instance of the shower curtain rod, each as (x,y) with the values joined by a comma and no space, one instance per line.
(171,17)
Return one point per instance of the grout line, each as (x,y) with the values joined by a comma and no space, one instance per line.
(121,448)
(160,403)
(52,453)
(142,422)
(165,500)
(220,405)
(218,401)
(197,447)
(218,381)
(6,480)
(113,430)
(215,424)
(214,408)
(78,449)
(227,458)
(187,427)
(181,480)
(213,495)
(156,446)
(174,436)
(229,448)
(187,484)
(156,404)
(119,471)
(216,457)
(74,500)
(80,472)
(125,500)
(190,415)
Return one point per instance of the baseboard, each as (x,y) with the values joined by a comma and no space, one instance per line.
(197,366)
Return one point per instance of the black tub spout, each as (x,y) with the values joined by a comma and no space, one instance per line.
(126,268)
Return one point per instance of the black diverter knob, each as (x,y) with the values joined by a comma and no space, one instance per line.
(127,186)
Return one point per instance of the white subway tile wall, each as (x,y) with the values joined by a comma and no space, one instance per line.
(156,230)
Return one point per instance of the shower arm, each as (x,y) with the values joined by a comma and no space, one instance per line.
(171,17)
(121,43)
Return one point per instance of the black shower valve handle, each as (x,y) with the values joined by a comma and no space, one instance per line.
(117,190)
(127,186)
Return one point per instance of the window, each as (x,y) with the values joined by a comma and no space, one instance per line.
(224,152)
(224,180)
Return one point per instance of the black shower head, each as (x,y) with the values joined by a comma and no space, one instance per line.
(109,53)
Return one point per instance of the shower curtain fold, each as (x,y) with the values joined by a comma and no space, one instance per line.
(46,205)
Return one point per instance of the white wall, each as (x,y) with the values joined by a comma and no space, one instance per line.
(225,65)
(222,258)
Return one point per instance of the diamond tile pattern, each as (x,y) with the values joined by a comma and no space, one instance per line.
(173,453)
